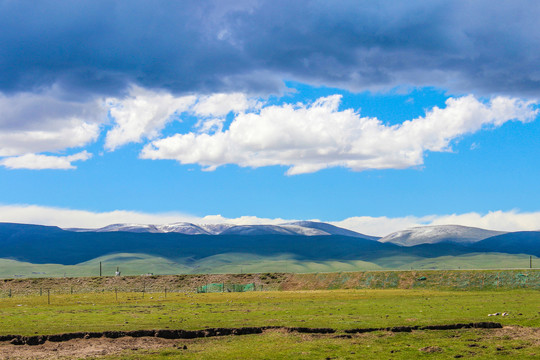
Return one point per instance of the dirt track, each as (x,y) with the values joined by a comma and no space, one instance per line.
(193,334)
(97,347)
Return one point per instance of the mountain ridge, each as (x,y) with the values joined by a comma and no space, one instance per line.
(36,244)
(307,228)
(431,234)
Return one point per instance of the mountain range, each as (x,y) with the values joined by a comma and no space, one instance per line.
(307,228)
(440,233)
(306,245)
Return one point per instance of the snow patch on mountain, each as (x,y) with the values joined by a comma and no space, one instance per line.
(439,233)
(306,228)
(180,227)
(327,229)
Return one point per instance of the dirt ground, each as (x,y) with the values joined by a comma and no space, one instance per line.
(97,347)
(84,348)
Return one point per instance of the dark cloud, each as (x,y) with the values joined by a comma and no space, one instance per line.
(99,47)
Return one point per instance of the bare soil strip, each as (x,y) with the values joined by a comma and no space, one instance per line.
(98,347)
(193,334)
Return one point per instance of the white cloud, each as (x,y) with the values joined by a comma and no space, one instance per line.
(381,226)
(142,114)
(68,218)
(304,137)
(493,220)
(311,137)
(377,226)
(497,220)
(41,162)
(39,122)
(221,104)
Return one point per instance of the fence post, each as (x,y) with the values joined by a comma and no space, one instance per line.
(48,297)
(9,292)
(116,293)
(40,291)
(165,292)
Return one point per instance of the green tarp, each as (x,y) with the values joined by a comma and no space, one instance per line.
(222,287)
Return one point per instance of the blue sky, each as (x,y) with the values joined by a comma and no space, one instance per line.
(371,115)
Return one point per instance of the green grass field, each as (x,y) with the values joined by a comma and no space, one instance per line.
(338,309)
(474,344)
(137,264)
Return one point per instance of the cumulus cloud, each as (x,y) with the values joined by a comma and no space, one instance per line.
(212,109)
(142,114)
(41,162)
(376,226)
(221,104)
(493,220)
(250,46)
(45,121)
(311,137)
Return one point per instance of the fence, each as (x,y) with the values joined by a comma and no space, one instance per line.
(222,287)
(47,291)
(429,279)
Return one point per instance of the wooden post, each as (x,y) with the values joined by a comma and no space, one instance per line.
(100,268)
(116,293)
(72,290)
(9,292)
(48,296)
(40,291)
(165,292)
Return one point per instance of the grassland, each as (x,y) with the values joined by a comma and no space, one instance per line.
(477,344)
(338,309)
(392,299)
(137,264)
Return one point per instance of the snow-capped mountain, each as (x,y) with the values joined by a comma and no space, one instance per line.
(180,227)
(439,233)
(327,229)
(307,228)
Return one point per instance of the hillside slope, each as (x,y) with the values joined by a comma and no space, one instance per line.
(521,242)
(53,245)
